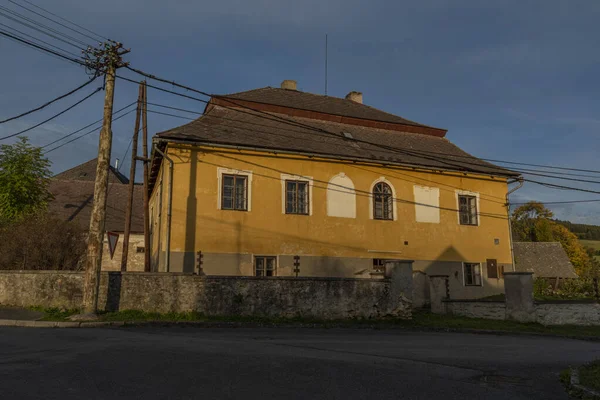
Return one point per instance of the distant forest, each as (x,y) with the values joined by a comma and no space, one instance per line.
(583,231)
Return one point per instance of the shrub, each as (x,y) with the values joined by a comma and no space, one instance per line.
(41,242)
(582,288)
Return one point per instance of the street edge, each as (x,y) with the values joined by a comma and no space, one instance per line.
(232,324)
(575,383)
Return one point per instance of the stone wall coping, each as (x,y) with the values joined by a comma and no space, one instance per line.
(580,301)
(205,277)
(472,301)
(518,273)
(35,271)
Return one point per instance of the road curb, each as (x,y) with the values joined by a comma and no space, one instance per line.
(238,324)
(575,383)
(57,324)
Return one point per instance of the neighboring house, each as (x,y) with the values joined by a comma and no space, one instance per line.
(73,192)
(87,172)
(545,259)
(273,173)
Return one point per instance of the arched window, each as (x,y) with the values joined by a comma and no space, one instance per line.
(383,201)
(341,197)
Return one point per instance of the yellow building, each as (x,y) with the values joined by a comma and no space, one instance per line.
(272,174)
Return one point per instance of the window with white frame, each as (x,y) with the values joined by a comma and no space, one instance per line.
(467,209)
(296,197)
(472,274)
(234,192)
(265,265)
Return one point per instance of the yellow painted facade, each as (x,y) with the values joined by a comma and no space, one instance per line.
(198,223)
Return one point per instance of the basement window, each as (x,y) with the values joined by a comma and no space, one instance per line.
(472,274)
(378,265)
(265,265)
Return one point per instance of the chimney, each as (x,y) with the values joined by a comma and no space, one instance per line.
(289,84)
(354,96)
(117,163)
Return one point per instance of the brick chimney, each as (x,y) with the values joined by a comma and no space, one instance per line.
(355,97)
(289,84)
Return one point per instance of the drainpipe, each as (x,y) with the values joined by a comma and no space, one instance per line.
(169,206)
(510,237)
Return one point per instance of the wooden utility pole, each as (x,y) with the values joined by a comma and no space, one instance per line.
(128,210)
(146,171)
(106,59)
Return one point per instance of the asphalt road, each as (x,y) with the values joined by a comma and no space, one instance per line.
(200,363)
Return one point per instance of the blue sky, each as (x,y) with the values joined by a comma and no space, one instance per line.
(510,80)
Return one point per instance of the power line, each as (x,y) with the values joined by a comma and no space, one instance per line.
(40,30)
(24,41)
(39,24)
(66,20)
(324,131)
(521,170)
(85,127)
(48,103)
(150,76)
(50,19)
(52,117)
(561,187)
(85,134)
(39,40)
(558,202)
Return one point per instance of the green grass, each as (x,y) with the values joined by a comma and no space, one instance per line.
(594,244)
(54,314)
(421,320)
(589,375)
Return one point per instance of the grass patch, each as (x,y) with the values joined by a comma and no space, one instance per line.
(421,320)
(589,375)
(54,314)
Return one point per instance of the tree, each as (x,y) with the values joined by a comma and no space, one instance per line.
(24,179)
(532,222)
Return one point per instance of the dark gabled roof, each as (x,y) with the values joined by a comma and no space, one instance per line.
(73,202)
(319,103)
(226,126)
(87,172)
(544,259)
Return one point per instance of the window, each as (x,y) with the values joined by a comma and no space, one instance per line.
(492,268)
(296,197)
(234,192)
(265,266)
(467,210)
(378,265)
(382,201)
(472,274)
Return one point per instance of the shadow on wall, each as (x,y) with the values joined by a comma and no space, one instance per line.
(190,221)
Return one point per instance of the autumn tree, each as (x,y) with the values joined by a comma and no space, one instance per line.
(532,222)
(24,178)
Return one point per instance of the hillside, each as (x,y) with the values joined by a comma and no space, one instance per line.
(583,231)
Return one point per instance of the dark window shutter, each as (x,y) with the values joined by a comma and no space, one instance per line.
(492,268)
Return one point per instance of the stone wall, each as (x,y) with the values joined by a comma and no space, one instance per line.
(322,298)
(135,254)
(568,313)
(477,309)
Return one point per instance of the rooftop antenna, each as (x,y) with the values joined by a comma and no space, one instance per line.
(325,64)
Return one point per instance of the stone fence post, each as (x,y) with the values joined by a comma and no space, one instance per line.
(399,272)
(518,288)
(438,291)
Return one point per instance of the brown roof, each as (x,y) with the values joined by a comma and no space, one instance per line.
(544,259)
(73,202)
(87,172)
(315,102)
(226,126)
